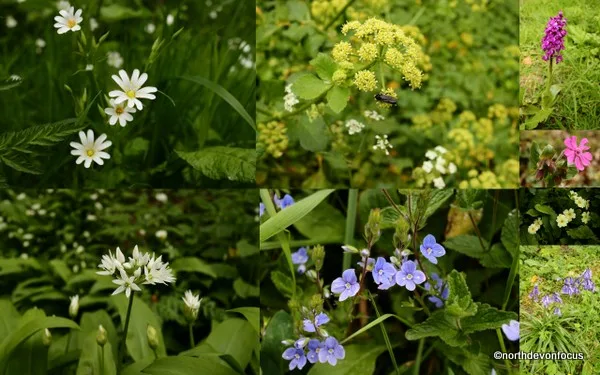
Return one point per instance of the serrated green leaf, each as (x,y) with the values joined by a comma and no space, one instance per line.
(534,121)
(360,359)
(282,282)
(582,232)
(438,324)
(337,98)
(324,66)
(309,87)
(487,317)
(467,244)
(459,303)
(497,257)
(220,163)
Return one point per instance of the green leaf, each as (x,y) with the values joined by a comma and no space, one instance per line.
(545,209)
(467,244)
(225,95)
(116,12)
(539,117)
(61,269)
(312,135)
(252,314)
(185,365)
(220,163)
(572,171)
(470,199)
(497,257)
(510,233)
(487,317)
(473,363)
(309,87)
(298,10)
(283,283)
(360,359)
(192,264)
(438,324)
(459,302)
(92,360)
(324,66)
(10,85)
(26,329)
(582,232)
(389,217)
(9,318)
(373,324)
(246,249)
(90,322)
(337,98)
(20,361)
(142,316)
(436,199)
(245,290)
(290,215)
(324,222)
(279,328)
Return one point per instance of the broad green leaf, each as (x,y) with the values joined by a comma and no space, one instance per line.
(312,135)
(20,361)
(309,87)
(137,340)
(10,85)
(389,216)
(61,269)
(220,163)
(298,10)
(467,244)
(582,232)
(360,359)
(252,314)
(137,367)
(510,233)
(572,171)
(185,365)
(487,317)
(438,324)
(290,215)
(437,199)
(26,329)
(282,282)
(324,222)
(246,249)
(324,65)
(497,257)
(234,337)
(245,290)
(337,98)
(545,209)
(470,199)
(459,302)
(473,363)
(225,95)
(192,264)
(90,322)
(9,317)
(280,328)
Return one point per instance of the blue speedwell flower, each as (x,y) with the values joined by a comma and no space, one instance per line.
(300,257)
(383,273)
(511,330)
(296,355)
(440,288)
(320,319)
(346,286)
(431,249)
(370,263)
(286,201)
(314,347)
(331,351)
(409,275)
(261,209)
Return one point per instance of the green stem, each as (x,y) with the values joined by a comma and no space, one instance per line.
(476,228)
(339,14)
(350,225)
(419,357)
(101,359)
(192,342)
(503,348)
(122,347)
(386,338)
(381,76)
(68,342)
(418,296)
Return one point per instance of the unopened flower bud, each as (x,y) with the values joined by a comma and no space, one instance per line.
(47,338)
(318,255)
(350,249)
(301,342)
(373,226)
(101,338)
(311,274)
(74,306)
(323,332)
(152,337)
(326,292)
(287,342)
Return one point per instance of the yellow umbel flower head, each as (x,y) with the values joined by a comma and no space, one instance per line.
(365,80)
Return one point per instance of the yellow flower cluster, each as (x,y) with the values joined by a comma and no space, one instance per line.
(364,9)
(365,80)
(483,180)
(273,138)
(374,40)
(324,10)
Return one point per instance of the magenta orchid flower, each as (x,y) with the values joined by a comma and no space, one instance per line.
(578,154)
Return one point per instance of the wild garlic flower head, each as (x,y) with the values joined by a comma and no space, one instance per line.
(69,19)
(140,268)
(74,306)
(131,89)
(191,305)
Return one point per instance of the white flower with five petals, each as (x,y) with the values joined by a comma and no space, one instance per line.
(119,112)
(132,90)
(88,150)
(127,283)
(68,20)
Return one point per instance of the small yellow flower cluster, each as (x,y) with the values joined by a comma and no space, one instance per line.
(365,80)
(273,138)
(364,9)
(324,10)
(498,111)
(508,173)
(483,180)
(341,51)
(478,5)
(443,112)
(462,138)
(422,122)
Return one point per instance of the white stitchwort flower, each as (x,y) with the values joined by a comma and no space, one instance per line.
(119,112)
(11,22)
(373,115)
(439,183)
(161,234)
(290,99)
(161,197)
(354,127)
(89,67)
(132,89)
(68,20)
(382,143)
(170,19)
(14,78)
(93,24)
(74,306)
(150,28)
(39,44)
(88,150)
(114,59)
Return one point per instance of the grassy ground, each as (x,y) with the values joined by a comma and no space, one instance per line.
(577,106)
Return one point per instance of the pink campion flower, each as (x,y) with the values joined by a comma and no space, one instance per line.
(578,155)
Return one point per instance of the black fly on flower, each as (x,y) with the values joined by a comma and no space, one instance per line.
(386,99)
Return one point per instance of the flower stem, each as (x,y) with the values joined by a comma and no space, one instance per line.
(503,348)
(101,359)
(122,347)
(476,228)
(419,357)
(192,342)
(350,225)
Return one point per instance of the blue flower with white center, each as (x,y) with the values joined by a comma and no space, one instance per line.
(511,330)
(346,286)
(286,201)
(409,276)
(314,347)
(383,272)
(320,319)
(331,351)
(300,257)
(370,264)
(261,209)
(431,249)
(296,354)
